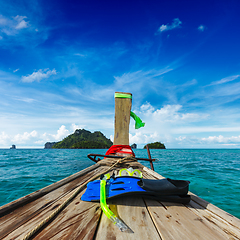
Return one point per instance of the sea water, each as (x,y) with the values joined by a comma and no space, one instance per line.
(214,174)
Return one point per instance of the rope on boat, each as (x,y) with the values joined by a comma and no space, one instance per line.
(66,202)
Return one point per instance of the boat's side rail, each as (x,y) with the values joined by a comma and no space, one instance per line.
(93,156)
(35,195)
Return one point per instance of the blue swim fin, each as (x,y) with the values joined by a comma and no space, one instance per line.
(166,190)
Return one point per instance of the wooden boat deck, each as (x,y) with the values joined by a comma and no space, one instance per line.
(147,219)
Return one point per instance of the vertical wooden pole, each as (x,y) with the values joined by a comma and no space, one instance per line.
(122,118)
(150,157)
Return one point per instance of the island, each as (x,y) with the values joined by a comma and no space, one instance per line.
(13,147)
(49,145)
(82,139)
(134,146)
(155,145)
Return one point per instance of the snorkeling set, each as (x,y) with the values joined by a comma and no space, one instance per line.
(129,182)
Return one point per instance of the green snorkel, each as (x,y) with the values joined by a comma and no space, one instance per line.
(105,208)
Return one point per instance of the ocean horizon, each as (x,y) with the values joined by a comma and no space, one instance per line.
(213,173)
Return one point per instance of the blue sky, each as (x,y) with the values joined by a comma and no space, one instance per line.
(62,61)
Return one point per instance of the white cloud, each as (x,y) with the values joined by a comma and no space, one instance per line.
(21,23)
(138,83)
(201,28)
(147,108)
(222,139)
(204,129)
(32,138)
(140,76)
(163,28)
(75,127)
(25,137)
(61,133)
(142,138)
(210,141)
(80,55)
(169,113)
(40,142)
(21,31)
(225,80)
(39,75)
(161,124)
(3,21)
(24,99)
(175,24)
(4,139)
(12,26)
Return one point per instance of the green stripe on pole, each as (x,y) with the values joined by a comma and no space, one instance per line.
(123,95)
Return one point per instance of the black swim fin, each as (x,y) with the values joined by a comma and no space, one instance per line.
(166,190)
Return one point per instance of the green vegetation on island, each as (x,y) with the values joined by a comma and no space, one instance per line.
(82,138)
(156,145)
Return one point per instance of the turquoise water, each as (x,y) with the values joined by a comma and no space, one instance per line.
(214,174)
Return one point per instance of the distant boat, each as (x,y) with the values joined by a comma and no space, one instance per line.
(13,147)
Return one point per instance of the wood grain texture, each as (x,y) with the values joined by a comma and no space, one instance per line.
(219,221)
(122,120)
(78,221)
(132,211)
(175,221)
(222,225)
(217,211)
(147,219)
(24,218)
(39,193)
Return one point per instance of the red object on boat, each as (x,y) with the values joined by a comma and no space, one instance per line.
(124,150)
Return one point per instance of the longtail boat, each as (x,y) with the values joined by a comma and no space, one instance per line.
(58,212)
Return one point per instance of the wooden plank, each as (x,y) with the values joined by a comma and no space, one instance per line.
(122,120)
(158,221)
(30,215)
(154,174)
(27,224)
(130,163)
(39,193)
(231,232)
(217,211)
(227,224)
(175,221)
(206,205)
(132,211)
(78,221)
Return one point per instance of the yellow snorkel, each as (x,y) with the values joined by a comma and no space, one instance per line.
(105,208)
